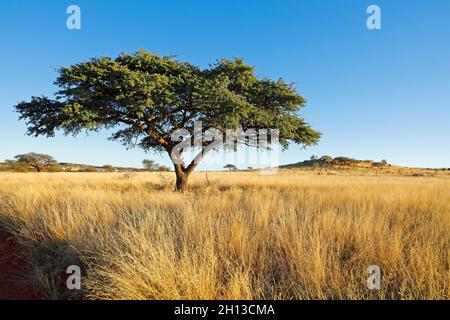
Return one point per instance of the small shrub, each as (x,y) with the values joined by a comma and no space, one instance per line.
(326,159)
(18,167)
(109,168)
(163,169)
(54,168)
(344,160)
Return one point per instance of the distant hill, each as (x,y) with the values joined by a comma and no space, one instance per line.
(345,165)
(338,163)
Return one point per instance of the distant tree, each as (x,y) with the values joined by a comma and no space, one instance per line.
(384,161)
(249,168)
(231,167)
(36,160)
(150,165)
(313,158)
(148,98)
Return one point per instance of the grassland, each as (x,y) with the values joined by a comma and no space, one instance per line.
(295,235)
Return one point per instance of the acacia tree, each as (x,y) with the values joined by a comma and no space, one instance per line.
(145,98)
(150,164)
(230,167)
(36,160)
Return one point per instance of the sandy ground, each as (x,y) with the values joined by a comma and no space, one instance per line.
(14,270)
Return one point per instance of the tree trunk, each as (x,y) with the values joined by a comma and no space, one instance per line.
(182,179)
(181,184)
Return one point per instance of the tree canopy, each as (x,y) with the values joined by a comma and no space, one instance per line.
(145,98)
(230,167)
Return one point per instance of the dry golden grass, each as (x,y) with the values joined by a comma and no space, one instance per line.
(294,235)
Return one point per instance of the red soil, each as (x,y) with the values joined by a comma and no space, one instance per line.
(14,270)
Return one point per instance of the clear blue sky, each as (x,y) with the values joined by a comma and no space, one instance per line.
(382,94)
